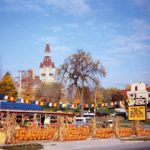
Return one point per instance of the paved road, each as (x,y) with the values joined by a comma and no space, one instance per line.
(103,144)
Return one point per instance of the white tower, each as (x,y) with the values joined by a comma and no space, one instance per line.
(47,67)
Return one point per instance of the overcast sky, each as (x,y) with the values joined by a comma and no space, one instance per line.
(117,32)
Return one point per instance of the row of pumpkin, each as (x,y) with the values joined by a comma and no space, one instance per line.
(70,133)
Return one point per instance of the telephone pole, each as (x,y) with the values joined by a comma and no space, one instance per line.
(20,83)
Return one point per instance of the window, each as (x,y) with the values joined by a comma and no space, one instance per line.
(43,74)
(136,88)
(50,74)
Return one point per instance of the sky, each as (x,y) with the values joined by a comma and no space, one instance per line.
(116,32)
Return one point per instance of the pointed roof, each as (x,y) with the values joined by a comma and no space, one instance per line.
(47,62)
(47,48)
(41,65)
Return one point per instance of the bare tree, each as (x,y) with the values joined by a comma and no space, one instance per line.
(50,92)
(81,70)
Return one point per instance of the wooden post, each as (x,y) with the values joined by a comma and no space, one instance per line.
(93,127)
(35,120)
(74,120)
(61,128)
(10,128)
(135,126)
(116,126)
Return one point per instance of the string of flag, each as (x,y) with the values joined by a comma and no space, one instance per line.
(60,105)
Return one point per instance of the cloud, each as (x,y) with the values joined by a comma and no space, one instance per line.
(61,48)
(134,41)
(70,6)
(140,25)
(56,28)
(72,25)
(49,39)
(76,7)
(145,4)
(130,45)
(22,6)
(56,42)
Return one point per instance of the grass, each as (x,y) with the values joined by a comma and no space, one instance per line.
(23,147)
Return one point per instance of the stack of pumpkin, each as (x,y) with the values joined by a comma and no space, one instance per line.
(27,134)
(75,133)
(125,132)
(143,132)
(104,133)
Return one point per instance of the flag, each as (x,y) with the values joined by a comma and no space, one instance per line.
(6,97)
(50,104)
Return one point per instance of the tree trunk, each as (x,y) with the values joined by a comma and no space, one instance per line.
(81,99)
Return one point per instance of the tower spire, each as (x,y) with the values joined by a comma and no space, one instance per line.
(47,48)
(47,67)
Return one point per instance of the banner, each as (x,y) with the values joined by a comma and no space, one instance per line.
(137,113)
(60,104)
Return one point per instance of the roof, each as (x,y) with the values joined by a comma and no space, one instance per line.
(33,81)
(36,81)
(19,106)
(123,92)
(148,89)
(37,112)
(47,48)
(47,62)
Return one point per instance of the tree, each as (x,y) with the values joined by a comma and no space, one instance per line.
(7,86)
(97,96)
(81,70)
(86,95)
(117,96)
(50,92)
(128,87)
(27,91)
(108,94)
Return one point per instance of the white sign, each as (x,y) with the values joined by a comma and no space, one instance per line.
(140,101)
(148,115)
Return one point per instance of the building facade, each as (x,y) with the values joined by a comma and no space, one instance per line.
(139,92)
(47,67)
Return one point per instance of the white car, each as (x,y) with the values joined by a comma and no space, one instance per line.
(81,121)
(110,123)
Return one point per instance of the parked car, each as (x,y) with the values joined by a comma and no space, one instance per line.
(110,123)
(100,114)
(122,114)
(81,121)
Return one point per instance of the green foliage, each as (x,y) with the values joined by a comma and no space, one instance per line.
(7,86)
(106,110)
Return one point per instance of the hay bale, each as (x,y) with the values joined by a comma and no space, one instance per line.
(93,127)
(2,137)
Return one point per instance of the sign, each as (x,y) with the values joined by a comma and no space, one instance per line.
(140,101)
(137,113)
(148,115)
